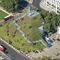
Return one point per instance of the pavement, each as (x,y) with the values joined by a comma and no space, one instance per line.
(11,50)
(53,52)
(4,10)
(18,26)
(14,53)
(3,56)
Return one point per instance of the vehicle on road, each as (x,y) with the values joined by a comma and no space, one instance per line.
(2,48)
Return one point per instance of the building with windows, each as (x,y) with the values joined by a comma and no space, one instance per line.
(51,5)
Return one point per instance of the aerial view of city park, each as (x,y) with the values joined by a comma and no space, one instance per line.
(26,40)
(24,30)
(29,29)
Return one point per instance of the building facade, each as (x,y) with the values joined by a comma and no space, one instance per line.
(49,5)
(53,5)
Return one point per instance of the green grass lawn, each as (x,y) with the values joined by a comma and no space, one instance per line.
(2,14)
(18,41)
(30,27)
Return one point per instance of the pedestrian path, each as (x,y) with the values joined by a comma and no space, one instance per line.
(4,10)
(13,51)
(53,52)
(18,26)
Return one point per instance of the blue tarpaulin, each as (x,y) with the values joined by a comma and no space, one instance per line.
(49,45)
(50,41)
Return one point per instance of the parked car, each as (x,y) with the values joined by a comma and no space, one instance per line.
(2,48)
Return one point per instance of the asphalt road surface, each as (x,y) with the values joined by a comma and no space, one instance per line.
(14,53)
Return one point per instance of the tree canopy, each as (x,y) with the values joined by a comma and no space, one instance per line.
(9,5)
(52,21)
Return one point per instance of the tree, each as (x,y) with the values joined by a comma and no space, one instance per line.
(47,22)
(53,24)
(52,21)
(9,5)
(10,42)
(58,19)
(43,13)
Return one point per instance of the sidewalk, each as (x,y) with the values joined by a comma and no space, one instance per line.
(4,10)
(53,52)
(14,50)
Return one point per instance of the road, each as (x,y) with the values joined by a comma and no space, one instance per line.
(13,52)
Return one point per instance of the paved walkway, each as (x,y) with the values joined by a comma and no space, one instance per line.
(18,26)
(41,42)
(4,10)
(16,19)
(13,52)
(53,52)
